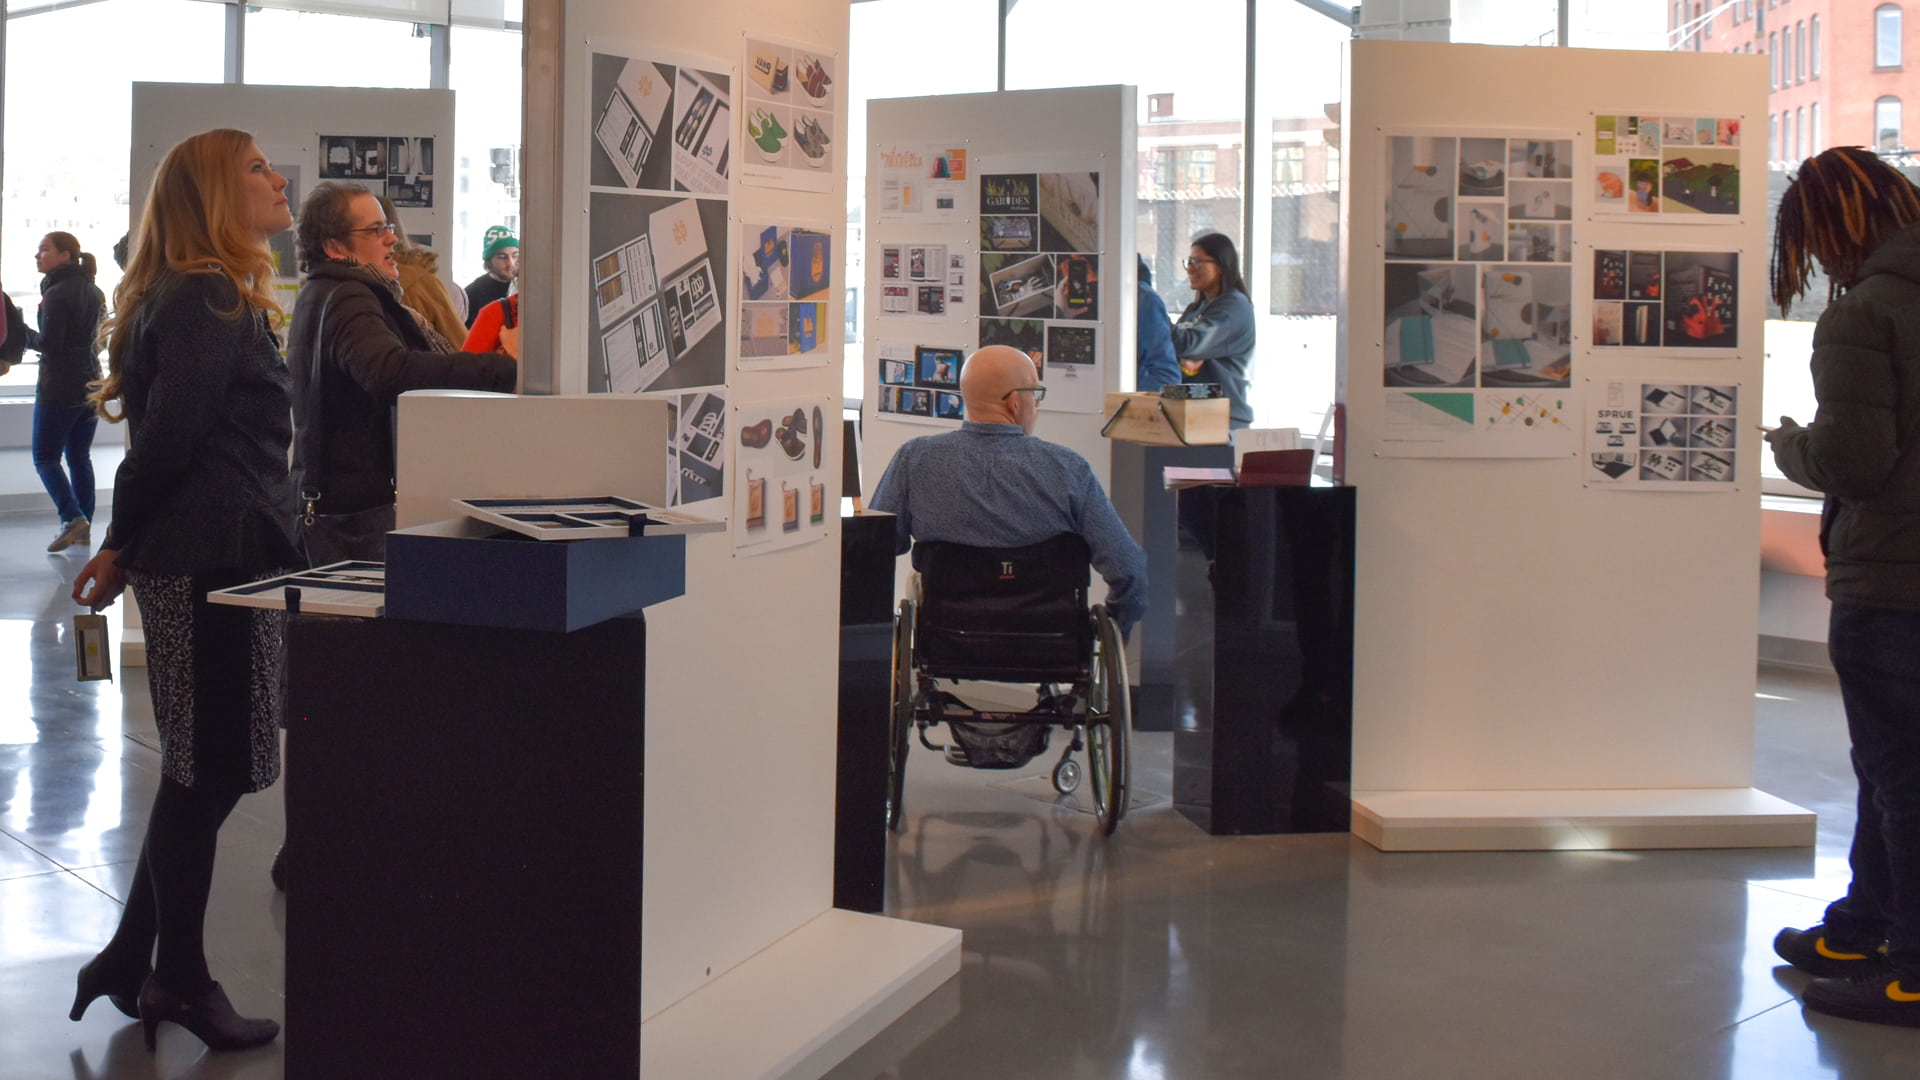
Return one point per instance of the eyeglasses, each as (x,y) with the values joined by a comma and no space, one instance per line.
(1039,393)
(383,229)
(1190,262)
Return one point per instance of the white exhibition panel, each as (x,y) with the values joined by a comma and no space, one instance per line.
(287,122)
(743,669)
(1518,627)
(1075,127)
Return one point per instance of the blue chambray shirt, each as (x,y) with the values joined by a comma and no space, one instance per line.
(993,485)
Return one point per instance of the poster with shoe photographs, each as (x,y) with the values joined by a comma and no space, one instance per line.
(659,305)
(1680,301)
(922,280)
(1678,167)
(697,452)
(920,383)
(1648,434)
(1040,244)
(786,274)
(922,182)
(781,462)
(789,98)
(1479,295)
(397,166)
(658,125)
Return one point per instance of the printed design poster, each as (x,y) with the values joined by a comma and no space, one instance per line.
(919,278)
(1478,324)
(697,454)
(781,462)
(658,300)
(397,166)
(786,273)
(920,383)
(787,109)
(1039,286)
(1663,435)
(1669,300)
(659,126)
(1677,166)
(921,181)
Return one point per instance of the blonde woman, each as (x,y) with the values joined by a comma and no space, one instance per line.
(420,286)
(202,501)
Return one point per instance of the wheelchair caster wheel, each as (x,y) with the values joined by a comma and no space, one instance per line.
(1066,777)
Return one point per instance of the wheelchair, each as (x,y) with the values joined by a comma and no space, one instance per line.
(1017,615)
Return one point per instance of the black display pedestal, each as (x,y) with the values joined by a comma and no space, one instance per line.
(463,850)
(1268,747)
(866,697)
(1151,513)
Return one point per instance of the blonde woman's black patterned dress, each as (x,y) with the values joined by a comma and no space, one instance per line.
(202,501)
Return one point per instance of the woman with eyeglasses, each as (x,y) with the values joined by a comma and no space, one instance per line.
(1214,336)
(201,502)
(354,348)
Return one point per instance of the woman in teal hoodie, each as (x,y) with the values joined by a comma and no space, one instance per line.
(1214,337)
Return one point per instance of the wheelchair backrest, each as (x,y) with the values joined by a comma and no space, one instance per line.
(1008,614)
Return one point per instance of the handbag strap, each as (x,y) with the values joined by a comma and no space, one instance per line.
(313,443)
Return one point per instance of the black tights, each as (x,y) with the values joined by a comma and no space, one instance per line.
(167,904)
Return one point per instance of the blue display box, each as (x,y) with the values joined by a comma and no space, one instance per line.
(471,573)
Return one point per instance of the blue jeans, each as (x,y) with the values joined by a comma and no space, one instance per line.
(1876,653)
(65,430)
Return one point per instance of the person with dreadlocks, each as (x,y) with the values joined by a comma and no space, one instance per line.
(1856,216)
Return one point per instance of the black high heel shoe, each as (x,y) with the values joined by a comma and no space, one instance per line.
(97,980)
(206,1013)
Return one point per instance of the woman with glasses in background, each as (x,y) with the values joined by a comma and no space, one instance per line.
(1214,336)
(354,348)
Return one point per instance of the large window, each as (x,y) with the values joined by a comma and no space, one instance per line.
(1773,61)
(1799,130)
(1800,52)
(1813,47)
(1773,137)
(484,69)
(1886,36)
(1886,124)
(297,48)
(1814,145)
(69,103)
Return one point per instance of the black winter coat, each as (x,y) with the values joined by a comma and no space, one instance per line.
(1863,448)
(204,485)
(71,307)
(370,350)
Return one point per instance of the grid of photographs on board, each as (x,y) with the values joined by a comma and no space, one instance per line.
(786,273)
(921,382)
(920,182)
(1040,269)
(1666,299)
(1478,295)
(1677,166)
(921,279)
(787,101)
(397,166)
(659,126)
(782,463)
(1663,434)
(697,447)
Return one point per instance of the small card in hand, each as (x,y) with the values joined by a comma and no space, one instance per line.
(93,660)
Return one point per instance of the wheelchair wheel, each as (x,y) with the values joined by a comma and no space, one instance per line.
(1109,718)
(900,723)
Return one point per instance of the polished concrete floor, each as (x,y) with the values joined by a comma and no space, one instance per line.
(1162,954)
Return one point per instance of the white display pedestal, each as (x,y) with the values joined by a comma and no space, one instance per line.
(1612,820)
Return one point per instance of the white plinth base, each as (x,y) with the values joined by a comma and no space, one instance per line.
(1606,820)
(802,1004)
(133,648)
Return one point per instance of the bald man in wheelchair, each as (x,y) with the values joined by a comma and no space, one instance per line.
(992,484)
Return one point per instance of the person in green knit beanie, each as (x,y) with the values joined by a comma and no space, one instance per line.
(501,254)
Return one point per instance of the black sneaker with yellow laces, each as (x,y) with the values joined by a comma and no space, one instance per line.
(1883,998)
(1811,952)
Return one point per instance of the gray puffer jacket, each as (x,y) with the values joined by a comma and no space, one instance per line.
(1863,448)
